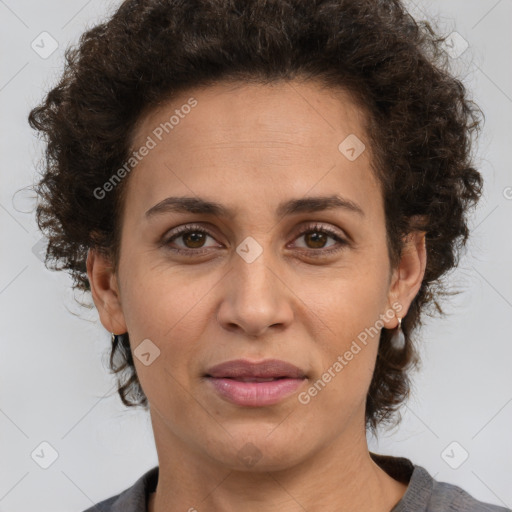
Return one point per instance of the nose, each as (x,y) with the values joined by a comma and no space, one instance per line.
(255,298)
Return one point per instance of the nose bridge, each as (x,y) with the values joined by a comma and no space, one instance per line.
(251,269)
(255,298)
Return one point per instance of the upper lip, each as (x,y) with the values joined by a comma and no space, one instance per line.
(241,368)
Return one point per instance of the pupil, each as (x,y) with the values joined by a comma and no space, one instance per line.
(197,239)
(317,237)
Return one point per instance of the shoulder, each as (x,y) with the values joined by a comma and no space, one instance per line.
(425,494)
(132,499)
(450,497)
(429,495)
(104,506)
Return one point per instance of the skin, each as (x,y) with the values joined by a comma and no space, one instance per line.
(249,147)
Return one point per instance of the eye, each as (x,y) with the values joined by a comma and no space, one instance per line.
(316,236)
(193,238)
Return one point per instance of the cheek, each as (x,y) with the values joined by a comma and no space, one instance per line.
(347,302)
(170,309)
(348,311)
(348,346)
(158,301)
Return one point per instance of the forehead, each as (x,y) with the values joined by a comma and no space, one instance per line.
(251,140)
(292,111)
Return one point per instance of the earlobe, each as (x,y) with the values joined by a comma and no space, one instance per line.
(105,292)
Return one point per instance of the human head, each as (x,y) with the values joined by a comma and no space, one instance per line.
(418,127)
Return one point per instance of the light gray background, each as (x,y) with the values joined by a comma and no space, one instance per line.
(53,383)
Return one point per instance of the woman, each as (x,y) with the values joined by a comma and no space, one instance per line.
(261,197)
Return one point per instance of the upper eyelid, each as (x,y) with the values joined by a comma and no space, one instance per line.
(313,225)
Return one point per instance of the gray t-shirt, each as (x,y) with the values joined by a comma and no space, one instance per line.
(423,494)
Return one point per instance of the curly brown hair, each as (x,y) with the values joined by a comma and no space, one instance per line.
(420,125)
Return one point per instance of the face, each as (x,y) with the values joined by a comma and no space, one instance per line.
(292,265)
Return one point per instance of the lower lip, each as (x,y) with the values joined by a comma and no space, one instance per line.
(255,394)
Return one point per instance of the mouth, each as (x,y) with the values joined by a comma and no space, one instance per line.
(249,384)
(262,371)
(250,379)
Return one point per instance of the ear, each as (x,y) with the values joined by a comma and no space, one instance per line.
(105,291)
(408,276)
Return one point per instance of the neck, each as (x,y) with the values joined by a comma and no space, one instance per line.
(335,478)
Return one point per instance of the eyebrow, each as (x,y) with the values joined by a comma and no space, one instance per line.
(290,207)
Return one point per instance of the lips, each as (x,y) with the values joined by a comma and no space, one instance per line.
(249,384)
(263,371)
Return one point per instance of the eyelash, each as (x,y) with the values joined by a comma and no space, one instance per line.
(315,228)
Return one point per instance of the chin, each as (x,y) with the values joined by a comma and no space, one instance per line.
(261,451)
